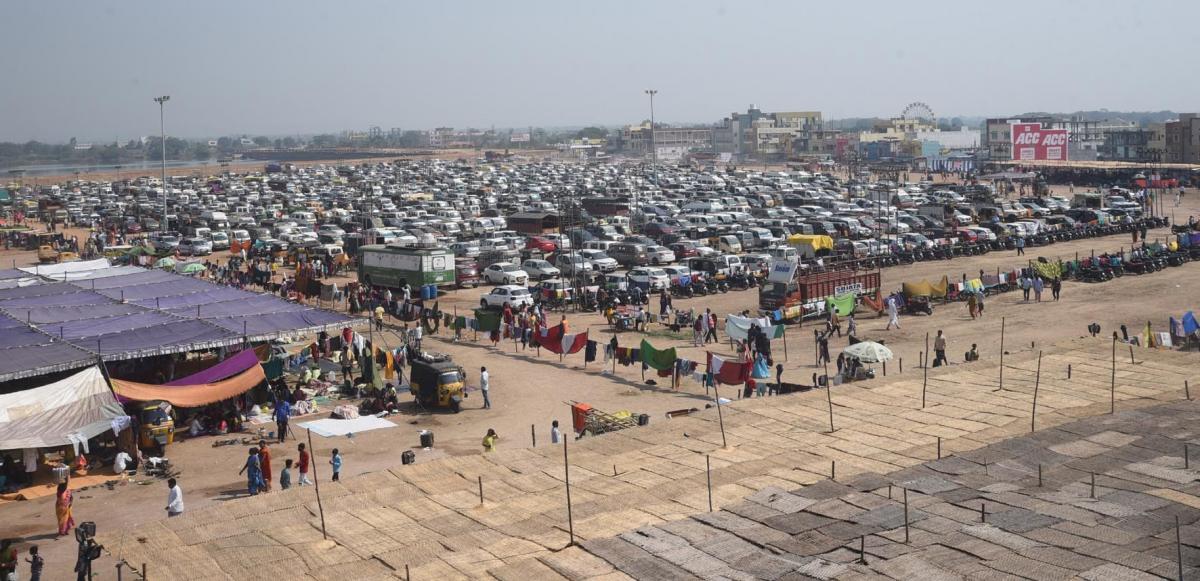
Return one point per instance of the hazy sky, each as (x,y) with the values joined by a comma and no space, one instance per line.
(89,68)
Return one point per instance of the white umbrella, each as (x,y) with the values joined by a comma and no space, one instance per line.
(869,352)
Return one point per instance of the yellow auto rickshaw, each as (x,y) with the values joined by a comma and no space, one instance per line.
(157,426)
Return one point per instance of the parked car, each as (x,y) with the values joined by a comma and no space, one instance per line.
(629,254)
(540,269)
(572,263)
(514,296)
(600,260)
(650,278)
(660,255)
(194,246)
(505,273)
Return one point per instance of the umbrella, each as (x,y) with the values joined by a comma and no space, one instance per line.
(868,352)
(167,262)
(192,268)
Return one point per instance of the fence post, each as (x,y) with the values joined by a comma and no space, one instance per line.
(567,479)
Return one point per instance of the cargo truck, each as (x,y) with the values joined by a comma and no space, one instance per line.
(797,294)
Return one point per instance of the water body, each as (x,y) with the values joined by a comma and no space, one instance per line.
(133,167)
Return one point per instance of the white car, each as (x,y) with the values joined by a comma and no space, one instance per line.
(983,233)
(510,294)
(540,269)
(600,261)
(655,279)
(572,263)
(675,271)
(505,273)
(195,247)
(660,255)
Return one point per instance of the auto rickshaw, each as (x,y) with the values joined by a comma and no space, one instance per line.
(157,426)
(437,381)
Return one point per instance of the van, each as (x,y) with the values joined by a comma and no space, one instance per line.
(629,254)
(729,244)
(304,218)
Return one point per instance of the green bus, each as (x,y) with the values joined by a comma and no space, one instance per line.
(393,266)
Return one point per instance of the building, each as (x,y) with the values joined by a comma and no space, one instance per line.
(1182,139)
(671,142)
(1085,138)
(769,135)
(1135,144)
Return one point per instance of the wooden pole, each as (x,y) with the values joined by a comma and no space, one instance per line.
(1187,392)
(906,515)
(925,376)
(533,434)
(567,478)
(720,415)
(317,483)
(1001,388)
(708,475)
(829,397)
(480,490)
(1037,380)
(1179,547)
(785,349)
(1113,389)
(1131,360)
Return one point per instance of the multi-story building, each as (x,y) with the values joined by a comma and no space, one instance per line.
(765,135)
(1182,139)
(1134,144)
(1084,141)
(636,139)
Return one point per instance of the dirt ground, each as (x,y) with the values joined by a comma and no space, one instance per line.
(530,391)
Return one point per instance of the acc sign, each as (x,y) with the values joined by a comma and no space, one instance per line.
(1030,142)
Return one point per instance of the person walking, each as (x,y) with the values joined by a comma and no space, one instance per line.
(264,464)
(283,411)
(36,564)
(972,304)
(939,350)
(285,475)
(253,471)
(1038,286)
(851,325)
(62,509)
(1020,246)
(485,384)
(1026,286)
(893,314)
(302,467)
(712,327)
(489,441)
(703,321)
(379,317)
(417,333)
(174,498)
(1056,287)
(555,433)
(823,348)
(336,462)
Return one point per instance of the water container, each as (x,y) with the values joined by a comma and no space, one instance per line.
(643,420)
(429,292)
(408,457)
(426,439)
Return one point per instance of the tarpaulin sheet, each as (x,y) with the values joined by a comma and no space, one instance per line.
(213,295)
(277,323)
(102,326)
(56,270)
(166,288)
(48,315)
(243,305)
(21,337)
(74,299)
(738,328)
(70,410)
(925,288)
(843,303)
(815,241)
(1047,270)
(656,359)
(232,366)
(330,427)
(142,276)
(190,396)
(160,339)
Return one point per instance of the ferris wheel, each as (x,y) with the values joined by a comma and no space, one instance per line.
(920,111)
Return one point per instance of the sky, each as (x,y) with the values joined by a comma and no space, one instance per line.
(91,68)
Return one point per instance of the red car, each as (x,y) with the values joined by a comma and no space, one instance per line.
(683,250)
(965,235)
(541,243)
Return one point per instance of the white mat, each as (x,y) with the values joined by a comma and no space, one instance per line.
(330,427)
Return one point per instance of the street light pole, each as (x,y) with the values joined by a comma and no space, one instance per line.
(162,127)
(653,145)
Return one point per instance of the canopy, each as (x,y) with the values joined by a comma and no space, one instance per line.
(67,411)
(815,241)
(925,288)
(229,367)
(190,396)
(868,352)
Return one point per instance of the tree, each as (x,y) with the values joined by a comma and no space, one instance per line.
(324,140)
(262,141)
(592,133)
(290,142)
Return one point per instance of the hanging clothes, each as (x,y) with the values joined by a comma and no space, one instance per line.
(589,352)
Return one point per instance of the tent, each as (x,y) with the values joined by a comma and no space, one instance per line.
(925,288)
(189,396)
(68,411)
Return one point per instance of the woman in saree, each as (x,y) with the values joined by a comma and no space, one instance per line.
(62,508)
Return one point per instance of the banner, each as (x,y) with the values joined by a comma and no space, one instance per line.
(656,359)
(1032,142)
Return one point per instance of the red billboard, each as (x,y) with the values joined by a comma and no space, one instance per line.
(1030,142)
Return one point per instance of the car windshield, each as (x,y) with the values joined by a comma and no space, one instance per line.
(599,255)
(520,292)
(448,377)
(509,268)
(657,272)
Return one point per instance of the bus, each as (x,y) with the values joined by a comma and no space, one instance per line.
(393,266)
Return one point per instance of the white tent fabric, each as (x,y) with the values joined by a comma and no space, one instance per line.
(74,270)
(330,427)
(65,412)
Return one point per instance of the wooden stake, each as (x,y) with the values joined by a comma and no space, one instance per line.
(1037,380)
(567,478)
(925,375)
(708,475)
(833,470)
(316,484)
(1039,475)
(1187,392)
(983,512)
(1093,493)
(862,549)
(720,415)
(901,365)
(1131,361)
(1179,547)
(1112,409)
(481,491)
(829,397)
(905,516)
(939,449)
(1001,388)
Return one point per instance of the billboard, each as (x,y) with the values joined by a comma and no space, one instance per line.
(518,138)
(1031,142)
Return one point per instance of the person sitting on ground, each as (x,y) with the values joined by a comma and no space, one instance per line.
(973,354)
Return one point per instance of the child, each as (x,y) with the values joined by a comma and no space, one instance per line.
(285,477)
(336,462)
(35,564)
(303,468)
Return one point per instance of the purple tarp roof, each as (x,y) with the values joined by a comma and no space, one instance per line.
(128,314)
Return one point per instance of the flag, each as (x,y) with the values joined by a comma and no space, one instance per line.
(728,371)
(655,359)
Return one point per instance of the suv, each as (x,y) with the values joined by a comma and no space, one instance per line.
(572,263)
(510,294)
(629,254)
(195,246)
(660,255)
(650,278)
(600,261)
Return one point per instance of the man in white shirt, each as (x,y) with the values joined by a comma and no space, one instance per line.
(484,385)
(121,462)
(555,433)
(174,499)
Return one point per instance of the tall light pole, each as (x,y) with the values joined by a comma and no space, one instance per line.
(653,147)
(162,128)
